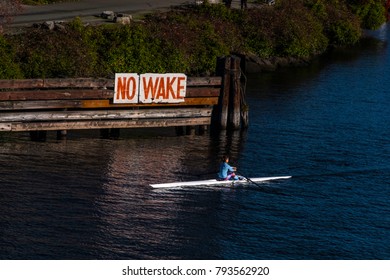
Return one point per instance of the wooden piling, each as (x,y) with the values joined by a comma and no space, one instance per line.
(223,103)
(244,104)
(234,121)
(231,98)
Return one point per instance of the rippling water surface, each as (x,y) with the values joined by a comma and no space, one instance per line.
(327,125)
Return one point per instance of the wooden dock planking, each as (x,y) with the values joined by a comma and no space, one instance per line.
(58,94)
(98,103)
(87,103)
(187,102)
(102,124)
(39,105)
(64,94)
(105,114)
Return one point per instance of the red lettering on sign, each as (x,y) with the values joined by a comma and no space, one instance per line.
(150,88)
(121,88)
(161,89)
(131,85)
(170,90)
(180,87)
(126,88)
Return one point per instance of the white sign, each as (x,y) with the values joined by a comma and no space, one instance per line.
(156,88)
(126,88)
(150,88)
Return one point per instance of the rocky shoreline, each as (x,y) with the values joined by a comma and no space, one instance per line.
(255,64)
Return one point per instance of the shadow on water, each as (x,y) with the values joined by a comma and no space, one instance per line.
(229,142)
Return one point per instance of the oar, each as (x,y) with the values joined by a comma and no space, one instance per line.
(248,179)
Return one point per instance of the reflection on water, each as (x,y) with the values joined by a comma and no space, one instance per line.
(92,194)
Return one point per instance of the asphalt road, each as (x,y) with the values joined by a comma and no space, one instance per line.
(88,8)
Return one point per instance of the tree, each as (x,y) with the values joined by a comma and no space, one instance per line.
(8,9)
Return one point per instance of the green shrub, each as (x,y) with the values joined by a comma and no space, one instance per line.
(318,8)
(342,27)
(54,54)
(372,14)
(257,29)
(134,49)
(185,40)
(300,34)
(9,69)
(289,29)
(344,33)
(199,37)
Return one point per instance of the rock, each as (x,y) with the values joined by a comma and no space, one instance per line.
(59,26)
(107,14)
(123,19)
(48,25)
(255,64)
(200,2)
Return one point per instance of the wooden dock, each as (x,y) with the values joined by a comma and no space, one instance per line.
(37,105)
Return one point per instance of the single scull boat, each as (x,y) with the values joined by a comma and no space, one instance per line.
(215,182)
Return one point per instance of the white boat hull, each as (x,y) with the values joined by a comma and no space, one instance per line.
(214,182)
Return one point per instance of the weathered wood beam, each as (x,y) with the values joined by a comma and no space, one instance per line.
(204,81)
(55,94)
(101,103)
(87,94)
(21,84)
(61,94)
(105,114)
(79,83)
(101,124)
(203,92)
(39,104)
(206,101)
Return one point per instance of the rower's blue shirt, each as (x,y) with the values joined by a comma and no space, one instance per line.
(224,168)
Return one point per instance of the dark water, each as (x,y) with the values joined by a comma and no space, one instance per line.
(326,124)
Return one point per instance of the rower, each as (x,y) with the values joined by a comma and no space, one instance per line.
(226,172)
